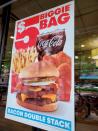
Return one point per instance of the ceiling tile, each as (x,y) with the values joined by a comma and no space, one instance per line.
(46,4)
(91,20)
(86,3)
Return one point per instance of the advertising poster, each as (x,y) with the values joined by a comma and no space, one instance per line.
(41,84)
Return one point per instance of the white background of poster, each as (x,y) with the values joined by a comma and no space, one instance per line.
(66,109)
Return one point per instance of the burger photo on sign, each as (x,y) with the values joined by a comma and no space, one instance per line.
(37,89)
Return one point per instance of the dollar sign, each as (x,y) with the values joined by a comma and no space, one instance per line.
(21,27)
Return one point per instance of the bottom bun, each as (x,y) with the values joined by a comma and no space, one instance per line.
(46,108)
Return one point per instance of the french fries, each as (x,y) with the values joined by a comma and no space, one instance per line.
(23,58)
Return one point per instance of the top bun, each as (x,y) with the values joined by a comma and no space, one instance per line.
(39,69)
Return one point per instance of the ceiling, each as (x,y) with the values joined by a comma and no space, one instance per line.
(86,16)
(86,24)
(86,19)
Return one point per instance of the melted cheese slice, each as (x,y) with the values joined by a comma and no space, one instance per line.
(50,96)
(35,89)
(23,97)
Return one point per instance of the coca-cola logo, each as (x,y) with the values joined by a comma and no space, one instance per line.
(53,42)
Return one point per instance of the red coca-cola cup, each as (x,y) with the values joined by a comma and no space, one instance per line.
(50,43)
